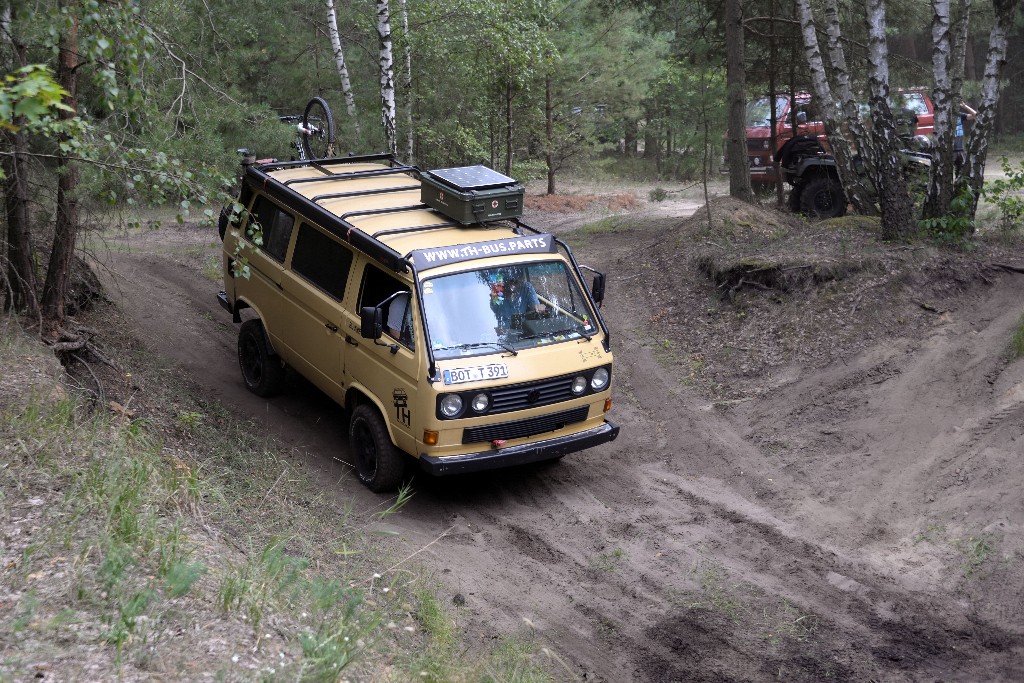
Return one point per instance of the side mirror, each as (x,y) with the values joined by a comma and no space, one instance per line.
(597,288)
(801,118)
(371,323)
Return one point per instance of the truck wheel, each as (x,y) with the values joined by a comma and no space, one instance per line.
(823,198)
(378,463)
(262,372)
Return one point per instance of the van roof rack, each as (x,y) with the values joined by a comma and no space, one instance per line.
(460,196)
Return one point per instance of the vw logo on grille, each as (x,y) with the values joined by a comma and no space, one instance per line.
(533,396)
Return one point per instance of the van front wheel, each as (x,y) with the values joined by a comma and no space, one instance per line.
(378,463)
(263,374)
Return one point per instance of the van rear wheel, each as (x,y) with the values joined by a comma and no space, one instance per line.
(378,463)
(263,373)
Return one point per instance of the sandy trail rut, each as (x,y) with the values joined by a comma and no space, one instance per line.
(695,548)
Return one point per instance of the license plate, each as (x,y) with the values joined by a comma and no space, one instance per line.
(475,373)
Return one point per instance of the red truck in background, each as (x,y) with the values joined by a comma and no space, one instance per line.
(801,108)
(759,133)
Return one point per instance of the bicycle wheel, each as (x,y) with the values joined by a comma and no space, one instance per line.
(318,130)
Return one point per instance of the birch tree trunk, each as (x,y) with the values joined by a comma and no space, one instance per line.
(977,143)
(387,76)
(410,133)
(735,76)
(940,177)
(836,125)
(885,163)
(846,122)
(339,61)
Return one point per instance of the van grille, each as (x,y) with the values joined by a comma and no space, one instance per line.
(531,394)
(524,428)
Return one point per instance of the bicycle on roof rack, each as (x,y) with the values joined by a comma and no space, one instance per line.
(314,130)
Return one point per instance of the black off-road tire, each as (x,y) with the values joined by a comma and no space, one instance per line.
(262,371)
(822,198)
(378,462)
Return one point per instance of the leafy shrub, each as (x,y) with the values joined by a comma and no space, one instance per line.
(658,194)
(955,227)
(1008,195)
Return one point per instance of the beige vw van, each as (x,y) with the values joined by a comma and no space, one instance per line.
(448,329)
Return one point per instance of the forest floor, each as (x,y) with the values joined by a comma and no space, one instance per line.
(819,470)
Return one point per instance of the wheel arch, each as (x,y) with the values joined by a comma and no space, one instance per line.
(358,395)
(241,303)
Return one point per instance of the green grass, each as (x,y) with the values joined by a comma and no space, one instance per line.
(716,593)
(775,620)
(932,533)
(212,268)
(582,235)
(153,537)
(974,552)
(1017,341)
(607,562)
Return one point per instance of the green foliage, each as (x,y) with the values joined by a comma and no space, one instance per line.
(958,225)
(30,98)
(1008,195)
(31,103)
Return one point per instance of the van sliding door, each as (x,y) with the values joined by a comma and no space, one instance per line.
(314,288)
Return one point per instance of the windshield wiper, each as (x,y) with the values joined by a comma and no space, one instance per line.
(568,330)
(479,345)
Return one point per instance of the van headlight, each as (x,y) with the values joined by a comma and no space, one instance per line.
(451,405)
(480,403)
(579,385)
(600,379)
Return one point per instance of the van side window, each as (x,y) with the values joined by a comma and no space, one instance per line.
(321,260)
(276,225)
(376,287)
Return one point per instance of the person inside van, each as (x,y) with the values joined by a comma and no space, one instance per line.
(399,322)
(513,298)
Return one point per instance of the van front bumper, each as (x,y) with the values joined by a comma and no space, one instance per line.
(521,454)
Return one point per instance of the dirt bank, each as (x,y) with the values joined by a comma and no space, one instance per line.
(817,477)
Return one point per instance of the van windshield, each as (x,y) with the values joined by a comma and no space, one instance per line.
(759,111)
(510,307)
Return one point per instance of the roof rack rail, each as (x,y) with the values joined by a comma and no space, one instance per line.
(417,228)
(377,212)
(337,226)
(364,193)
(353,159)
(354,174)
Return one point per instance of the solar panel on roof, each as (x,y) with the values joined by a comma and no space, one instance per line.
(472,177)
(472,194)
